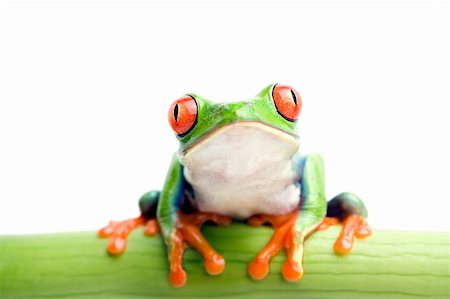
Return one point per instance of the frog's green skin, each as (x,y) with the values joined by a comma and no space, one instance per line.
(305,176)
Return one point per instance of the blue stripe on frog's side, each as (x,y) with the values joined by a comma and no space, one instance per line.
(313,202)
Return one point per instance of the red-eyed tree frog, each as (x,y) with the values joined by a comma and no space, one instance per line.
(240,161)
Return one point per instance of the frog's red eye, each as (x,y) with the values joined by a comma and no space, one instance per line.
(287,100)
(183,115)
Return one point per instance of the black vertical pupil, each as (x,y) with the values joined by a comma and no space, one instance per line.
(175,113)
(294,97)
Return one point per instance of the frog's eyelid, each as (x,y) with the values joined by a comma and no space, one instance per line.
(271,91)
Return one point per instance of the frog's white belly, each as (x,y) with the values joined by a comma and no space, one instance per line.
(243,169)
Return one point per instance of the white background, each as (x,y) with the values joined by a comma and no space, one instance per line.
(85,88)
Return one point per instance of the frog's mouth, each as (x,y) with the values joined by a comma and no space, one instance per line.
(241,140)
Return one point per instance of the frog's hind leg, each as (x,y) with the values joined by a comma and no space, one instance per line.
(349,210)
(118,231)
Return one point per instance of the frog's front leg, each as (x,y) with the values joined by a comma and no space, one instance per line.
(292,229)
(178,227)
(187,230)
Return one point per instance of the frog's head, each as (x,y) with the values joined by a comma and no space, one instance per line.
(267,120)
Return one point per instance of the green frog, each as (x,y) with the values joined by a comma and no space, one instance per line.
(239,161)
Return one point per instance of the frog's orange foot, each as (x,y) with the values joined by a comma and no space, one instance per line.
(188,230)
(284,236)
(352,226)
(118,232)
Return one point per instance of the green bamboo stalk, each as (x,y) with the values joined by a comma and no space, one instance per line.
(75,265)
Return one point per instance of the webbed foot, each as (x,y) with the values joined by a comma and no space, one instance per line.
(285,235)
(188,230)
(118,232)
(352,226)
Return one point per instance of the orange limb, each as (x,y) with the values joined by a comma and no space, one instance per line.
(177,275)
(188,230)
(151,228)
(284,236)
(292,268)
(353,226)
(118,231)
(327,222)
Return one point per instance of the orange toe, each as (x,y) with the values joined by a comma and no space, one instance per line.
(363,231)
(117,245)
(292,271)
(258,269)
(215,264)
(177,277)
(106,231)
(343,245)
(151,228)
(354,226)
